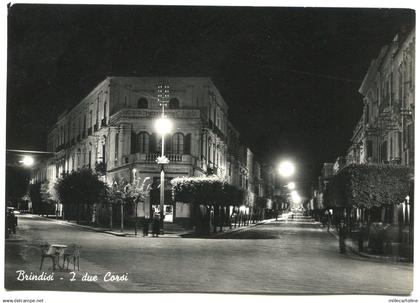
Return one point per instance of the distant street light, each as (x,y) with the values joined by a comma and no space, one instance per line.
(286,169)
(291,185)
(295,197)
(27,161)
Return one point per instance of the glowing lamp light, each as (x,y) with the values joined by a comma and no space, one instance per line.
(27,161)
(291,185)
(242,208)
(295,197)
(286,169)
(163,125)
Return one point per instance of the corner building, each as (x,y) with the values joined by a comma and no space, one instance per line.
(114,126)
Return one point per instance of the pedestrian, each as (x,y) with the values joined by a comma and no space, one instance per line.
(155,226)
(362,235)
(146,227)
(329,221)
(342,236)
(11,221)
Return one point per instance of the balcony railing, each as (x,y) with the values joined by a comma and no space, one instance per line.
(150,158)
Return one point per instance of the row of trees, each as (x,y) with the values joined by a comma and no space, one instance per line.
(212,199)
(372,197)
(83,189)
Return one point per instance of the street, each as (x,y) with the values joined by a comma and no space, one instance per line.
(278,257)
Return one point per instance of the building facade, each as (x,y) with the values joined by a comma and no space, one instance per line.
(385,132)
(112,129)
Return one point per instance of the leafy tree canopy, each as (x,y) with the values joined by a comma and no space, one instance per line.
(369,185)
(80,187)
(206,191)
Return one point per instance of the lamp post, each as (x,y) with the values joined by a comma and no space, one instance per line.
(163,126)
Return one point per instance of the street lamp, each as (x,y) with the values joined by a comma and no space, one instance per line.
(27,161)
(291,185)
(295,197)
(286,169)
(163,126)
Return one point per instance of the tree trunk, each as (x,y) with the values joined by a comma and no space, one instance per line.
(122,217)
(215,216)
(78,213)
(110,216)
(221,217)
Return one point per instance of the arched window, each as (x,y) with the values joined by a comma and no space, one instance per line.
(142,103)
(178,143)
(174,103)
(142,143)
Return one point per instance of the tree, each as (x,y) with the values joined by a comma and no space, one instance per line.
(17,181)
(369,185)
(82,187)
(122,193)
(210,192)
(49,196)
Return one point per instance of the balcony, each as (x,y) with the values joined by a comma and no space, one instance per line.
(150,158)
(128,115)
(216,130)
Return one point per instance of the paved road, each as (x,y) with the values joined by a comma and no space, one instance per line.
(271,258)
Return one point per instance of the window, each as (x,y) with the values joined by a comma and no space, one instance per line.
(174,103)
(142,143)
(384,152)
(104,116)
(117,139)
(90,118)
(367,114)
(90,159)
(142,103)
(178,143)
(369,148)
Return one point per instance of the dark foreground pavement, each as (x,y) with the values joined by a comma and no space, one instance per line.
(277,257)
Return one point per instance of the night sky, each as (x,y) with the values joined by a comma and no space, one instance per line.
(289,75)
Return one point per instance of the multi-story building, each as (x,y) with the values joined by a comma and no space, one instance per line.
(112,129)
(385,132)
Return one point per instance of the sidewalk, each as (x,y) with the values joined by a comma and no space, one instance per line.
(178,233)
(227,230)
(353,248)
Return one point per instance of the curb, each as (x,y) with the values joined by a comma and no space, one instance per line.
(391,259)
(182,235)
(233,230)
